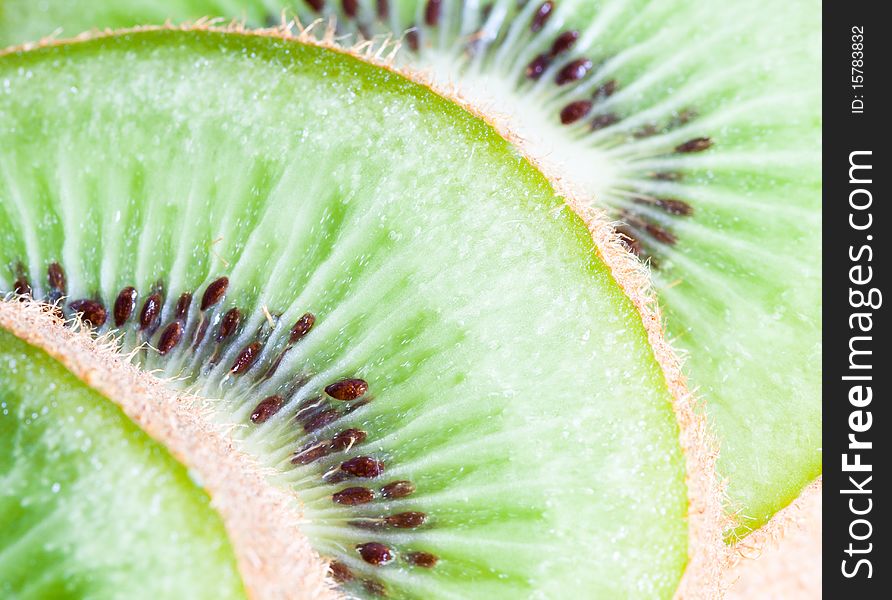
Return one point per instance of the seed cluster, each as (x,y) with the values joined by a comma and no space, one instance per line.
(642,233)
(355,477)
(358,476)
(574,71)
(358,473)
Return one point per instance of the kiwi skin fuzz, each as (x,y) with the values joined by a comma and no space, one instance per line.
(260,519)
(97,363)
(783,558)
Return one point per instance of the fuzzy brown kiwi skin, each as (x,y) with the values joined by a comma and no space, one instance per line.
(262,519)
(782,559)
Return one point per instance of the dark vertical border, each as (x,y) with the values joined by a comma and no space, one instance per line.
(854,252)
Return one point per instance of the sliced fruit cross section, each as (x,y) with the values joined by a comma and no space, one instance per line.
(698,127)
(393,308)
(90,506)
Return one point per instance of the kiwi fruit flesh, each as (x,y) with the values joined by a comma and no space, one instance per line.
(384,302)
(699,129)
(88,500)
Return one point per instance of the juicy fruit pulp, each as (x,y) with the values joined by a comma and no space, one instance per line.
(699,128)
(78,479)
(396,311)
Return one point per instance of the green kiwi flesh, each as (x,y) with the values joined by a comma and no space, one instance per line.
(87,500)
(396,312)
(698,127)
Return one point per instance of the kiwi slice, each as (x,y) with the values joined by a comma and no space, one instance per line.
(698,128)
(88,500)
(371,294)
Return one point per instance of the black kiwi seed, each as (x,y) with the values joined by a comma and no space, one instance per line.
(347,439)
(695,145)
(660,234)
(671,206)
(683,118)
(340,572)
(92,312)
(367,524)
(406,520)
(266,409)
(310,454)
(398,489)
(575,111)
(21,286)
(537,67)
(335,477)
(125,304)
(432,12)
(58,286)
(573,71)
(56,277)
(316,5)
(170,337)
(347,389)
(353,496)
(486,12)
(654,230)
(605,120)
(632,242)
(364,467)
(422,559)
(413,39)
(675,207)
(375,553)
(183,305)
(321,419)
(667,176)
(564,42)
(309,406)
(605,90)
(302,327)
(151,308)
(383,9)
(645,131)
(351,7)
(199,333)
(543,13)
(229,323)
(214,292)
(375,588)
(246,358)
(275,366)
